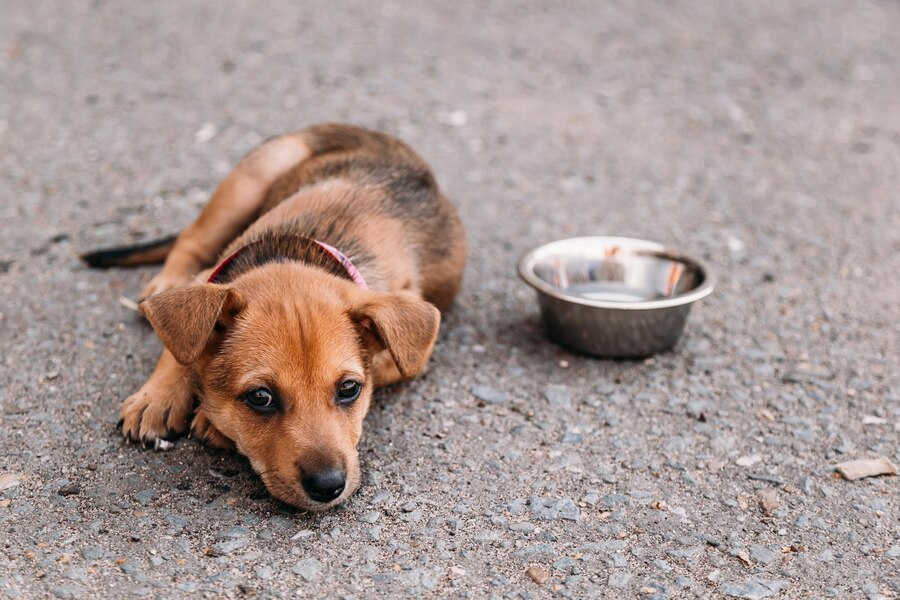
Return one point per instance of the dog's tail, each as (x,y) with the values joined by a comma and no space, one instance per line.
(148,253)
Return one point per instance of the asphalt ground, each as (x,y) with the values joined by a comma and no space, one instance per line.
(762,137)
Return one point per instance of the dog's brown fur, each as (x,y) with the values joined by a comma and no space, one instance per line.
(286,317)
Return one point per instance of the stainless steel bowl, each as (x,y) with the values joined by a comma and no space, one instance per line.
(614,297)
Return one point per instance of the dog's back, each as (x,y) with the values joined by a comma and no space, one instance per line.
(387,201)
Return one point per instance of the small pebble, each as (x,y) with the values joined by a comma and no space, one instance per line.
(225,548)
(535,551)
(264,572)
(370,517)
(618,580)
(748,461)
(303,534)
(488,394)
(161,445)
(308,569)
(145,497)
(753,589)
(553,509)
(558,396)
(92,553)
(539,575)
(70,489)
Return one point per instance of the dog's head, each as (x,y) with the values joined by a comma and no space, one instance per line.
(283,356)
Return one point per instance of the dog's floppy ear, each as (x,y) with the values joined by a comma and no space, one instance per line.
(400,323)
(184,317)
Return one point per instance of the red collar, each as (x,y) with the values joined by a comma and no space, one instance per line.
(333,252)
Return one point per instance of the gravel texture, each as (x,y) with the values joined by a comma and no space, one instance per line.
(763,137)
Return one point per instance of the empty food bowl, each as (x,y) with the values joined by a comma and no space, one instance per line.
(614,297)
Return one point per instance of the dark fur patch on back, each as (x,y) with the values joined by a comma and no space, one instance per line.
(282,245)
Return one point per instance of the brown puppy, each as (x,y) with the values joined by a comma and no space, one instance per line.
(286,338)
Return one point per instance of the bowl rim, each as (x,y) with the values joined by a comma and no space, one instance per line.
(526,272)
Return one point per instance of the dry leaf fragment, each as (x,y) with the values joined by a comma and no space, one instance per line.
(766,414)
(868,467)
(768,501)
(207,132)
(9,480)
(129,303)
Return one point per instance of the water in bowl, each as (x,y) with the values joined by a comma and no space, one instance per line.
(613,291)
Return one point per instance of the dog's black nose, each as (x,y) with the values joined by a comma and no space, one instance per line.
(324,486)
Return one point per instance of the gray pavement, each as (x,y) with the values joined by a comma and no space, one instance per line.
(763,136)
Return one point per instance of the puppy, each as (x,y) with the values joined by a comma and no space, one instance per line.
(315,274)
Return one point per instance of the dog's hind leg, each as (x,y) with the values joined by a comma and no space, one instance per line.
(235,203)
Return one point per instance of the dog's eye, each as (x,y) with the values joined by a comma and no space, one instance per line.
(347,391)
(260,399)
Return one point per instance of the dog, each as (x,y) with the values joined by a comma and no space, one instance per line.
(316,273)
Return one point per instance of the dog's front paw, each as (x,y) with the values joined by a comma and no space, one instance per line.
(206,432)
(154,413)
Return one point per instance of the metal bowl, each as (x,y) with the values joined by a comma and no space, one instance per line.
(614,297)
